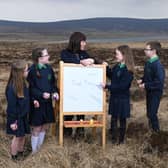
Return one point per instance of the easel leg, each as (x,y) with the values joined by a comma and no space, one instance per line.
(103,137)
(94,129)
(61,131)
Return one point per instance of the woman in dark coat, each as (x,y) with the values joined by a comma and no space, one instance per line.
(75,53)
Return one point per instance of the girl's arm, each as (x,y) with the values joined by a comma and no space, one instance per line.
(54,82)
(12,112)
(86,62)
(123,85)
(35,92)
(108,72)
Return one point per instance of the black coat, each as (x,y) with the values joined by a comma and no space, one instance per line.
(121,78)
(69,57)
(17,111)
(154,75)
(44,82)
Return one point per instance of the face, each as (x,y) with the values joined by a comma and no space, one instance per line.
(82,45)
(119,56)
(25,73)
(45,57)
(148,51)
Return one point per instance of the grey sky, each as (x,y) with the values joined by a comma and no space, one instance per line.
(54,10)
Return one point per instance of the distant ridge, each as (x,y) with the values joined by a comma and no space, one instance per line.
(93,26)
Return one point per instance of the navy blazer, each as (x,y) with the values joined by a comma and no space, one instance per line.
(154,75)
(17,112)
(46,82)
(17,107)
(121,80)
(69,57)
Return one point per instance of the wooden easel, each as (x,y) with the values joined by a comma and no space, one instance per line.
(86,123)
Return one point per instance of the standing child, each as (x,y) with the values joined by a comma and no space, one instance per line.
(76,53)
(121,77)
(153,83)
(42,88)
(17,94)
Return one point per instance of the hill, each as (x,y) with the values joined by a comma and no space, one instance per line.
(94,28)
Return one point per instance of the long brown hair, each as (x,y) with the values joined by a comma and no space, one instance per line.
(128,57)
(74,42)
(16,77)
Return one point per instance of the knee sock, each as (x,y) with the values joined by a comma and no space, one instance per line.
(34,143)
(41,138)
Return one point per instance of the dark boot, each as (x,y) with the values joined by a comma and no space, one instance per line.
(67,131)
(80,133)
(155,123)
(20,154)
(114,130)
(150,124)
(14,157)
(122,131)
(122,136)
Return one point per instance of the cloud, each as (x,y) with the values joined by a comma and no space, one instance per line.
(52,10)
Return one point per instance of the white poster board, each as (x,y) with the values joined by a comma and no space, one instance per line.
(81,89)
(81,94)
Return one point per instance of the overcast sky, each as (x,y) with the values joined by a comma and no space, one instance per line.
(56,10)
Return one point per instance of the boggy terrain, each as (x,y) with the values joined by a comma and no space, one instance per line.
(141,149)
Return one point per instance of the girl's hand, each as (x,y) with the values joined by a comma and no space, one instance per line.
(105,63)
(102,85)
(14,126)
(36,104)
(139,81)
(86,62)
(142,86)
(46,95)
(55,96)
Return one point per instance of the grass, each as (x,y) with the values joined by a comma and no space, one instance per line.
(142,148)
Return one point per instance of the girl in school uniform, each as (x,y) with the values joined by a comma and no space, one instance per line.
(153,83)
(42,90)
(75,53)
(17,95)
(121,76)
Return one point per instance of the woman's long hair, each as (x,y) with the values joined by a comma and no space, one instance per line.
(74,42)
(16,77)
(128,57)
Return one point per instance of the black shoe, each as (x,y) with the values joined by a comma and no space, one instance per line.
(114,141)
(20,155)
(14,157)
(114,136)
(121,142)
(155,131)
(68,131)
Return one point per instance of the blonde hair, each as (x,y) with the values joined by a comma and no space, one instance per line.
(16,78)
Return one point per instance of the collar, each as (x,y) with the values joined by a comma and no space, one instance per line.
(41,66)
(122,65)
(153,59)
